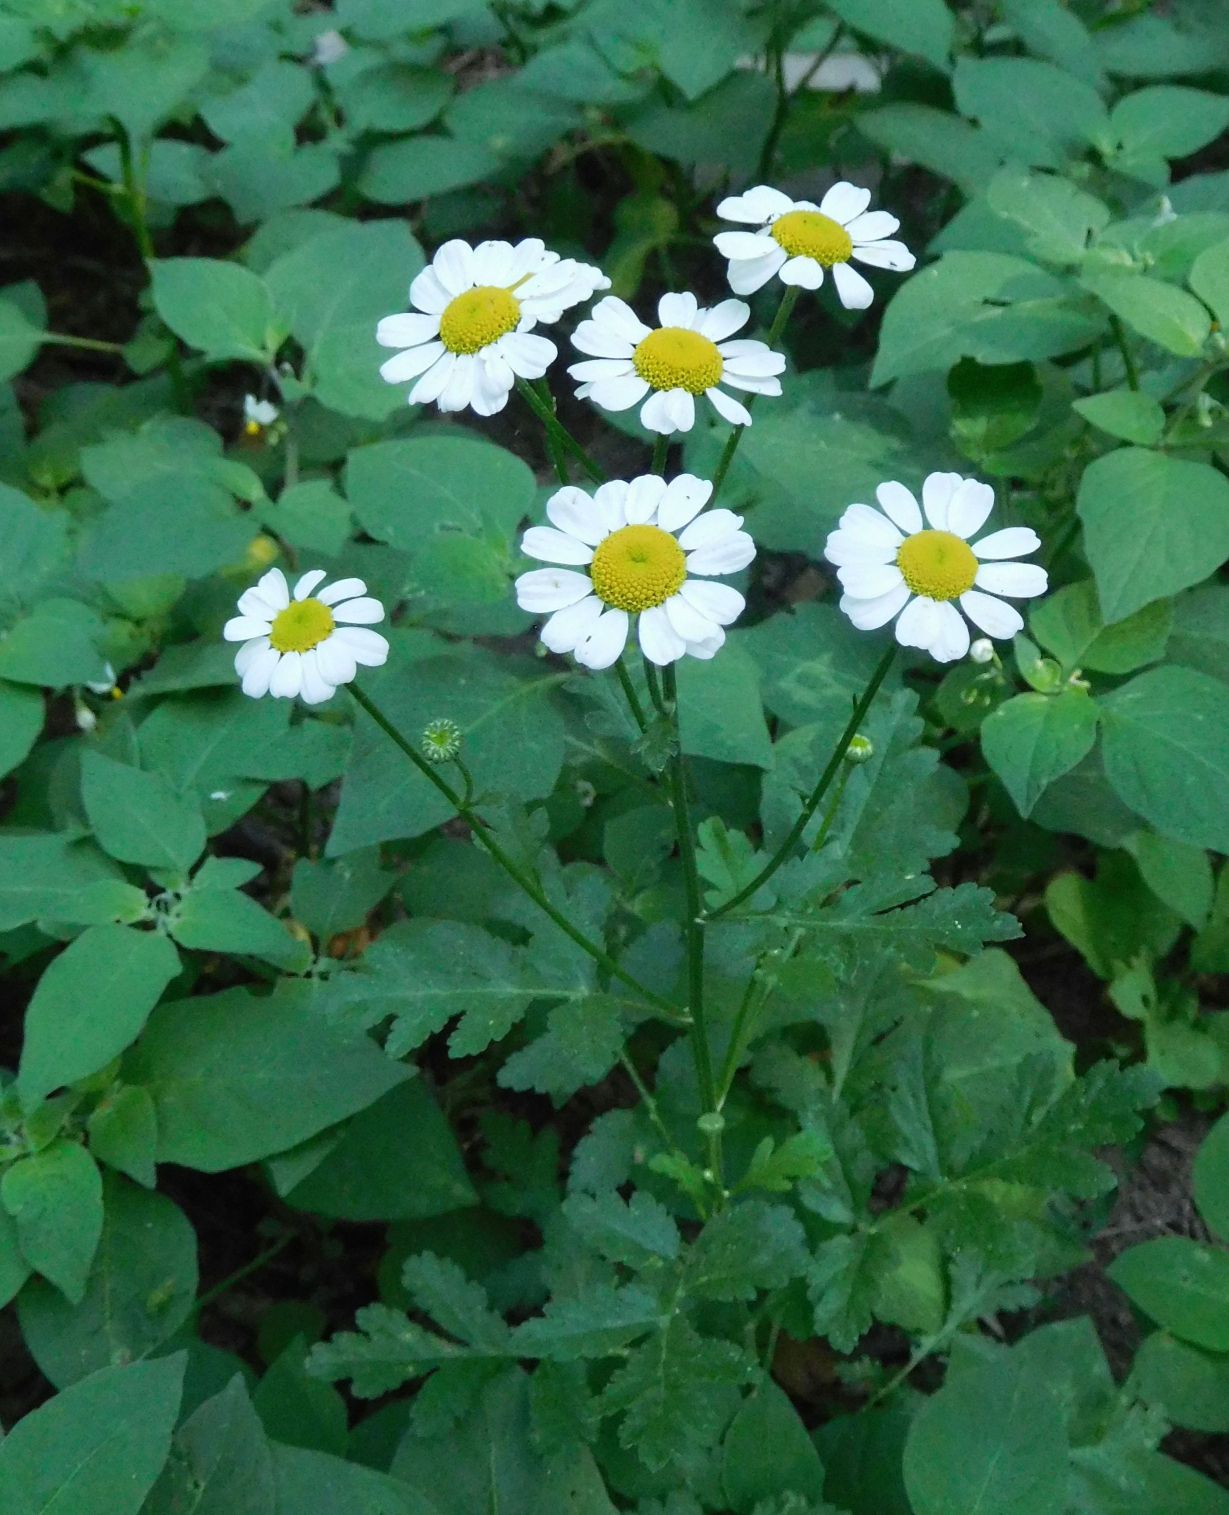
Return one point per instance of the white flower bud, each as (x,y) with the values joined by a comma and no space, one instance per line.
(982,650)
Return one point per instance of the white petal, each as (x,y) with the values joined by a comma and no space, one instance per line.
(855,292)
(872,226)
(308,582)
(453,264)
(242,628)
(407,330)
(753,273)
(1019,580)
(718,602)
(618,317)
(1010,542)
(752,386)
(723,320)
(728,408)
(545,589)
(752,359)
(995,617)
(530,356)
(337,661)
(739,246)
(845,202)
(685,497)
(428,294)
(594,370)
(865,522)
(867,581)
(727,556)
(431,385)
(806,273)
(656,414)
(601,341)
(410,363)
(605,643)
(272,587)
(714,526)
(968,508)
(619,394)
(459,390)
(361,612)
(610,503)
(688,622)
(899,504)
(287,677)
(570,626)
(678,309)
(493,381)
(258,672)
(643,496)
(757,204)
(316,688)
(573,511)
(869,615)
(253,603)
(246,655)
(366,647)
(844,547)
(920,623)
(341,589)
(893,255)
(551,546)
(952,637)
(937,491)
(659,641)
(682,409)
(493,262)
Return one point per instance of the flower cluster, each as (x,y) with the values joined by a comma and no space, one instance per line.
(643,555)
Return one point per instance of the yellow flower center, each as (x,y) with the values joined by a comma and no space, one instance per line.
(479,317)
(937,564)
(811,234)
(638,567)
(303,624)
(674,358)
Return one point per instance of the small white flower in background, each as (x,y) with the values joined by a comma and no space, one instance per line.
(469,337)
(689,354)
(258,415)
(329,47)
(796,240)
(982,650)
(306,645)
(633,549)
(891,562)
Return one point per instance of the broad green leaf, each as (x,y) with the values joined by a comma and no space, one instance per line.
(1209,278)
(90,1004)
(139,1292)
(923,27)
(1182,1284)
(1060,218)
(57,644)
(338,894)
(297,1410)
(935,139)
(97,1448)
(394,97)
(1161,312)
(1109,1479)
(1160,122)
(1166,739)
(416,168)
(1033,739)
(222,309)
(694,43)
(766,1452)
(55,1197)
(123,1133)
(1188,1386)
(396,1160)
(34,545)
(47,876)
(720,713)
(14,1269)
(1211,1178)
(1037,112)
(235,1077)
(581,1044)
(1124,413)
(227,920)
(1177,873)
(139,817)
(309,1480)
(751,1246)
(258,177)
(726,127)
(1152,525)
(1111,919)
(268,105)
(20,339)
(22,712)
(990,1440)
(1068,623)
(220,1463)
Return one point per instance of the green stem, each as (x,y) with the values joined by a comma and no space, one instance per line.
(695,922)
(650,1104)
(558,453)
(821,788)
(90,344)
(556,430)
(1124,347)
(788,300)
(834,804)
(748,1013)
(481,834)
(650,678)
(629,691)
(661,449)
(237,1277)
(135,191)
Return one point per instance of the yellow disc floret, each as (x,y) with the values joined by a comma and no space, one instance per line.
(479,317)
(675,358)
(303,624)
(638,567)
(811,234)
(937,564)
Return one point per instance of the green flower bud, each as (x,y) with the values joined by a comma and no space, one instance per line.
(860,750)
(441,740)
(711,1123)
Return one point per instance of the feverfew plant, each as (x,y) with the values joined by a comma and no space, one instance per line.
(614,758)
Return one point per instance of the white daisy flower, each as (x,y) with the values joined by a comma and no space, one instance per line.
(631,549)
(687,355)
(307,645)
(469,337)
(797,240)
(891,562)
(258,414)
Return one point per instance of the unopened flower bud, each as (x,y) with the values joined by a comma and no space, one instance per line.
(860,750)
(441,741)
(711,1123)
(982,650)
